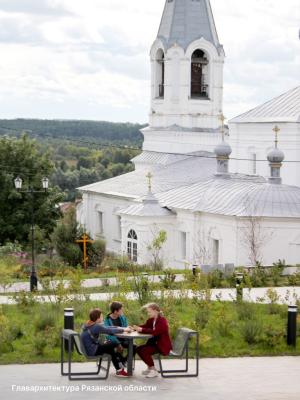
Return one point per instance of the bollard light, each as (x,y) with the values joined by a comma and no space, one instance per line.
(292,326)
(68,322)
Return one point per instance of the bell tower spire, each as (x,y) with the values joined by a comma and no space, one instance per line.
(186,80)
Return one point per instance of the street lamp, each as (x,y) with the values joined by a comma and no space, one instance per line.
(45,185)
(239,277)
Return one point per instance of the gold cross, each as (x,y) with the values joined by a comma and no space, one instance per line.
(222,119)
(149,176)
(276,130)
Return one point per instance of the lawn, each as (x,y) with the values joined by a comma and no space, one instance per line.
(29,333)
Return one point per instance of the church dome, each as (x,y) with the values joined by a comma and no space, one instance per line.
(223,150)
(276,156)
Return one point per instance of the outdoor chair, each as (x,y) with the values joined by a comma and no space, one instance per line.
(180,350)
(73,339)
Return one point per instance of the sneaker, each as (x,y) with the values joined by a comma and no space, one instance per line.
(122,374)
(146,372)
(152,373)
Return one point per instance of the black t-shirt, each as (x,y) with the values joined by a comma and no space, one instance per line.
(116,322)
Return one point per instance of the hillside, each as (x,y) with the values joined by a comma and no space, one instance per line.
(100,131)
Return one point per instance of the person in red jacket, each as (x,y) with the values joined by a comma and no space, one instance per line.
(158,327)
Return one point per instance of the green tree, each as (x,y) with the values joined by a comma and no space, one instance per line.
(64,238)
(23,157)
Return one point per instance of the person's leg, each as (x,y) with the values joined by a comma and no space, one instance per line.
(146,352)
(109,348)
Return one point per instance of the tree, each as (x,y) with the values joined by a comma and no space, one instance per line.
(23,157)
(254,235)
(155,249)
(64,238)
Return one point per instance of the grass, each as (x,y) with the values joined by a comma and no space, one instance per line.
(31,334)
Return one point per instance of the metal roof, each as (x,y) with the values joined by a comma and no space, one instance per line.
(149,207)
(285,108)
(188,170)
(184,21)
(236,195)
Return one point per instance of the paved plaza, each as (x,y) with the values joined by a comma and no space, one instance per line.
(264,378)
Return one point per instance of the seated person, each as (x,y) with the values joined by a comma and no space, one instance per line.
(93,346)
(158,327)
(117,318)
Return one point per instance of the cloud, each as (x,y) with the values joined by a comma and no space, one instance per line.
(90,59)
(37,7)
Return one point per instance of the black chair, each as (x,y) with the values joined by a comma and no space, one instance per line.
(73,339)
(181,349)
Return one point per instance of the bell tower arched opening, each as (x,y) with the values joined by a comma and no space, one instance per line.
(199,75)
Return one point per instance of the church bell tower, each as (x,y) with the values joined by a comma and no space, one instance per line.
(187,62)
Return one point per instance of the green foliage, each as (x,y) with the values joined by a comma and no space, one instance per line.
(64,237)
(44,321)
(167,279)
(23,157)
(96,253)
(155,248)
(252,330)
(273,336)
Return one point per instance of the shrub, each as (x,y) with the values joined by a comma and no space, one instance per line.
(246,311)
(168,279)
(39,343)
(273,336)
(44,321)
(252,330)
(5,340)
(96,253)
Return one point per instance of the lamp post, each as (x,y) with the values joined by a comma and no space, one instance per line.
(239,277)
(45,185)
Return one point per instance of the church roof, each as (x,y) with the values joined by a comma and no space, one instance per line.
(285,108)
(149,207)
(188,170)
(184,21)
(238,195)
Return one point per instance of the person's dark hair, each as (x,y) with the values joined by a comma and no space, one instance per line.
(115,306)
(95,314)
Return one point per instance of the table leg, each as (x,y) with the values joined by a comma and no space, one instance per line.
(130,358)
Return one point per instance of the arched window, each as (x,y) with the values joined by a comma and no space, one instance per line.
(160,74)
(132,245)
(199,75)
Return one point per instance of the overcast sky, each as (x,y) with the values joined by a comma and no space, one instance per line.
(89,59)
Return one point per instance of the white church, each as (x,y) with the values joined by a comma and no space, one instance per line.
(214,210)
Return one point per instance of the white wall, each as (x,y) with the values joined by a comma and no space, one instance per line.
(246,138)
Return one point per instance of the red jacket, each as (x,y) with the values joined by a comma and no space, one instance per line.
(161,333)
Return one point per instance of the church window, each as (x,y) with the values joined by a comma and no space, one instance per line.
(100,220)
(183,245)
(254,162)
(132,245)
(119,227)
(160,74)
(199,75)
(215,251)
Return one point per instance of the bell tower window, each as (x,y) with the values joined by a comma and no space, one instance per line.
(199,75)
(160,74)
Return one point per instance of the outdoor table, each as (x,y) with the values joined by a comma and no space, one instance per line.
(130,337)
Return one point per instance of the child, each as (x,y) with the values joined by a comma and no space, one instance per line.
(117,318)
(157,326)
(90,338)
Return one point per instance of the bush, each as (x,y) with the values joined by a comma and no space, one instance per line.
(168,279)
(246,311)
(44,322)
(273,336)
(96,253)
(252,330)
(39,343)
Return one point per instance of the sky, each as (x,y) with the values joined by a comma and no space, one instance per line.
(75,59)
